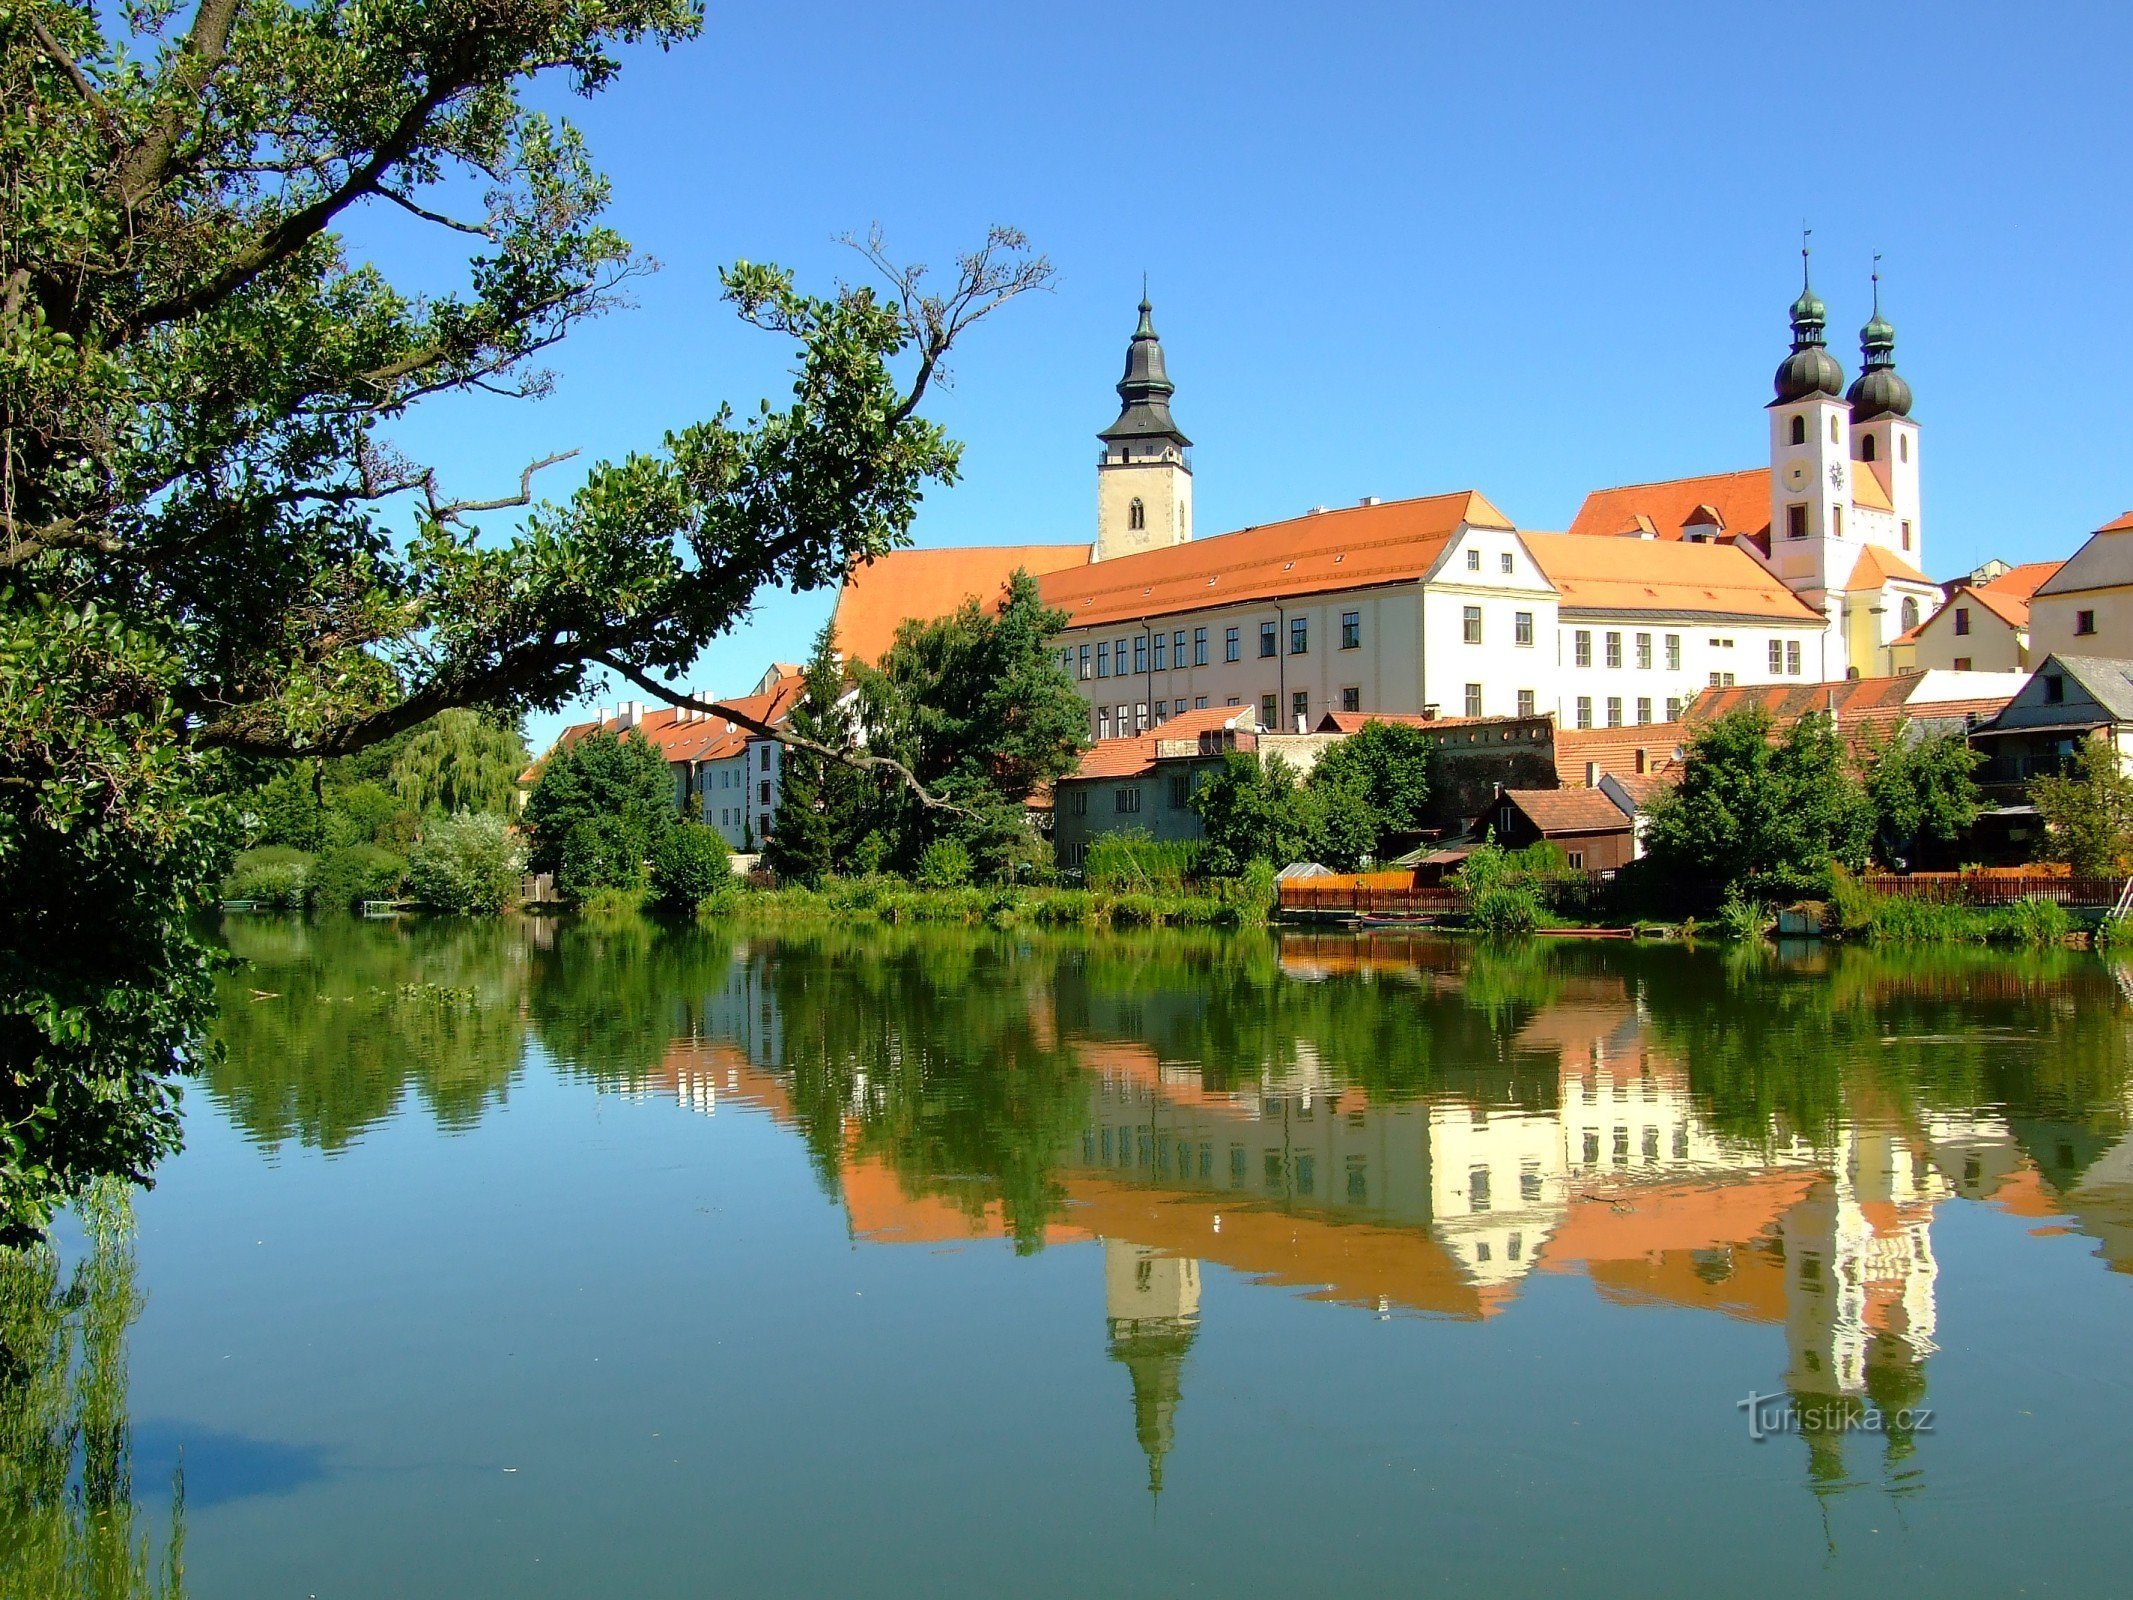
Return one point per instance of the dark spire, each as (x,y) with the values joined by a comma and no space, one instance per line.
(1810,369)
(1153,1350)
(1879,390)
(1144,392)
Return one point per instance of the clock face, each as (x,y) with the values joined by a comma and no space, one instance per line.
(1796,475)
(1836,474)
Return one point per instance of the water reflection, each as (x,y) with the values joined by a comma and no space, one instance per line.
(1407,1126)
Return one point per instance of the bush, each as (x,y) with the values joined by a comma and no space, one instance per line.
(273,875)
(1741,917)
(689,865)
(944,865)
(1130,859)
(2040,924)
(354,873)
(598,853)
(1504,907)
(466,865)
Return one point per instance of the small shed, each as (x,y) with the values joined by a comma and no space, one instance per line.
(1591,829)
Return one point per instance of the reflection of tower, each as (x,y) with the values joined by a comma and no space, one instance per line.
(1152,1311)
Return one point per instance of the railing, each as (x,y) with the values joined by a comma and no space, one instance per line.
(1999,890)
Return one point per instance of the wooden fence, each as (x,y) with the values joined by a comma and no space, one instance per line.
(1998,889)
(1347,897)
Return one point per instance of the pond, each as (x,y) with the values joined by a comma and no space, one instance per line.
(560,1260)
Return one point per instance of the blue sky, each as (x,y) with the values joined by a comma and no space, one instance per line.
(1394,249)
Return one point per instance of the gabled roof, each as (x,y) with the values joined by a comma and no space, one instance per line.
(878,597)
(1856,704)
(2122,524)
(1356,547)
(1671,510)
(1555,811)
(1616,749)
(1870,486)
(1602,575)
(683,736)
(2019,583)
(1355,721)
(1877,566)
(1129,757)
(2107,680)
(2104,561)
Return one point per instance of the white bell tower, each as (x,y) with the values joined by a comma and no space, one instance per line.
(1144,476)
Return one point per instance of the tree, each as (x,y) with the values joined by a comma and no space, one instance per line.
(1765,817)
(1374,782)
(823,805)
(467,865)
(2088,813)
(1248,812)
(210,459)
(1923,791)
(689,865)
(977,707)
(460,761)
(619,784)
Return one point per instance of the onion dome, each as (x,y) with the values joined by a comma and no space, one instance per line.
(1810,369)
(1145,390)
(1879,390)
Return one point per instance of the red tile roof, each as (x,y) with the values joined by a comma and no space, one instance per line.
(1354,721)
(1740,502)
(1877,566)
(1558,811)
(2021,583)
(684,736)
(1126,758)
(1355,547)
(2124,524)
(878,598)
(1857,704)
(1616,749)
(1656,575)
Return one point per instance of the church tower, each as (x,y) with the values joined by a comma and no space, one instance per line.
(1144,476)
(1811,550)
(1884,438)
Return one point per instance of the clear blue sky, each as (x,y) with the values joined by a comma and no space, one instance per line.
(1394,249)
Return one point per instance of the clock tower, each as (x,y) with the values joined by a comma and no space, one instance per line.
(1811,464)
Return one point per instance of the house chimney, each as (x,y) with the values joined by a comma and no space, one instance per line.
(1368,500)
(634,711)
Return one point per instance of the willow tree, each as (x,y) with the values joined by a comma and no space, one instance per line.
(220,537)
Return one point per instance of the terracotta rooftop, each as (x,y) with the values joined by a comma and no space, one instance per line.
(1356,547)
(1725,505)
(878,597)
(683,736)
(1616,749)
(1568,810)
(1129,757)
(1877,566)
(2020,583)
(1355,721)
(2123,524)
(1859,703)
(1602,575)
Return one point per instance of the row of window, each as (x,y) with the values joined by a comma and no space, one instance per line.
(1581,649)
(1583,707)
(1140,717)
(1867,445)
(1796,518)
(1164,652)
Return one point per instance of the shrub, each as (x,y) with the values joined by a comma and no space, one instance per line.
(598,853)
(944,865)
(354,873)
(275,875)
(1741,917)
(2039,924)
(466,865)
(1130,859)
(1503,907)
(688,866)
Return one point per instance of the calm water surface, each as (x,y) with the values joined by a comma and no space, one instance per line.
(544,1260)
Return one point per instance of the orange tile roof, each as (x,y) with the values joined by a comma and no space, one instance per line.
(1870,485)
(1739,500)
(2021,583)
(1877,566)
(2124,524)
(1859,703)
(1355,547)
(1125,758)
(1355,721)
(1615,749)
(1657,575)
(877,598)
(1556,811)
(682,737)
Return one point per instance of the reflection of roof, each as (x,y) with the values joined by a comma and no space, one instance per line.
(922,585)
(1555,811)
(1651,575)
(1629,1221)
(1356,547)
(1740,501)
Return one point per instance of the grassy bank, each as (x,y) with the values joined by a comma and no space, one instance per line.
(891,900)
(1859,913)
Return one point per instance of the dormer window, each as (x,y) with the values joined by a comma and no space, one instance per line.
(1136,516)
(1867,447)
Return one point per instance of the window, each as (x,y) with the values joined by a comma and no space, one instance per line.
(1299,635)
(1581,647)
(1473,699)
(1903,447)
(1833,427)
(1470,624)
(1909,612)
(1867,446)
(1777,656)
(1836,522)
(1140,655)
(1717,678)
(1584,710)
(1644,709)
(1614,649)
(1118,657)
(1477,1189)
(1525,702)
(1177,649)
(1300,707)
(1792,658)
(1351,630)
(1199,702)
(1081,801)
(1962,663)
(1351,698)
(764,796)
(1673,709)
(1103,660)
(1577,858)
(1962,620)
(1126,799)
(1907,535)
(1799,430)
(1673,652)
(1614,711)
(1795,522)
(1136,516)
(1125,722)
(1507,563)
(1269,712)
(1180,790)
(1162,653)
(1522,628)
(2084,622)
(2054,690)
(1233,644)
(1140,717)
(1269,643)
(1473,561)
(1103,722)
(765,762)
(1644,652)
(1084,661)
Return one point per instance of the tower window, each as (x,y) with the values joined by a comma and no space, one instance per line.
(1836,522)
(1795,522)
(1907,536)
(1909,613)
(1867,447)
(1799,430)
(1903,448)
(1832,427)
(1136,516)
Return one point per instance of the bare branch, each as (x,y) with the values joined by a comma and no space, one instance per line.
(792,741)
(408,204)
(452,510)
